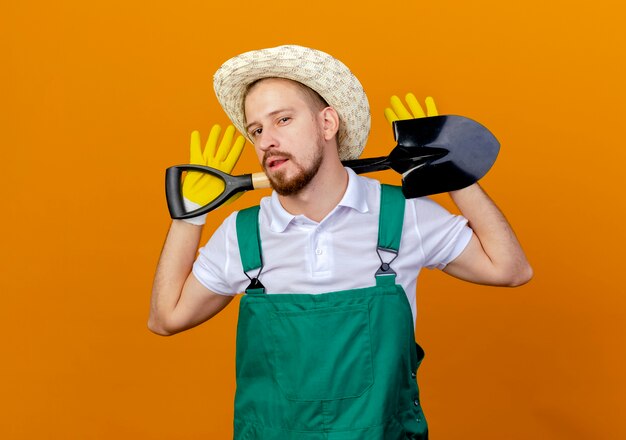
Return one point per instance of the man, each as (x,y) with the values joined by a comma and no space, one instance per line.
(325,345)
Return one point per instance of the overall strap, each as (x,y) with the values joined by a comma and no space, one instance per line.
(390,223)
(249,240)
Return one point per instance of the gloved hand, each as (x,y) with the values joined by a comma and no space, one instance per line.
(200,188)
(399,112)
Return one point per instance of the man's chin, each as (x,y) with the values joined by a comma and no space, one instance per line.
(285,186)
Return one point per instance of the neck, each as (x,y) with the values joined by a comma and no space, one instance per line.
(321,195)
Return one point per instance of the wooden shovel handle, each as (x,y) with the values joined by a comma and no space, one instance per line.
(260,180)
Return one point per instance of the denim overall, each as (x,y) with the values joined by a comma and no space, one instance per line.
(334,366)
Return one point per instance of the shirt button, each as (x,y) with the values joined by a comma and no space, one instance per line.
(416,402)
(413,375)
(318,252)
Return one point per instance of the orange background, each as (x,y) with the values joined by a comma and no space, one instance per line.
(98,98)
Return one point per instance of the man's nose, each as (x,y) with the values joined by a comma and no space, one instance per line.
(267,139)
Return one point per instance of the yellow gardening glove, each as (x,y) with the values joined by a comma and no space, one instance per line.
(399,112)
(201,188)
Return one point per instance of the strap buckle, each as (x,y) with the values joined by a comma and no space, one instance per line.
(255,283)
(385,267)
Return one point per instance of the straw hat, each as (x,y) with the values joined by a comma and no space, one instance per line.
(326,75)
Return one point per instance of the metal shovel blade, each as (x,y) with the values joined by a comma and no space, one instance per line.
(441,153)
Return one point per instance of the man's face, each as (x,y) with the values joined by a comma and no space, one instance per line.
(287,134)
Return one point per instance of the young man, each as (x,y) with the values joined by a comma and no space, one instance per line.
(329,262)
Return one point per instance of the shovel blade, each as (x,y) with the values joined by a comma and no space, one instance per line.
(455,152)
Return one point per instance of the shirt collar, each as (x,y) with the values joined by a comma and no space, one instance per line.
(354,198)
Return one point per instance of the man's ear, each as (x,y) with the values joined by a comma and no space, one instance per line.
(330,122)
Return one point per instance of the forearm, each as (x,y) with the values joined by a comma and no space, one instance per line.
(505,259)
(173,269)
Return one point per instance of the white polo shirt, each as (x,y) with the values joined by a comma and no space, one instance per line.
(338,253)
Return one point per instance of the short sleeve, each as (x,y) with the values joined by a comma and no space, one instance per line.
(213,267)
(443,236)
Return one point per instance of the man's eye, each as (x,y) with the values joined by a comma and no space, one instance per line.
(256,132)
(285,119)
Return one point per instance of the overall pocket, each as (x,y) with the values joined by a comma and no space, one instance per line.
(323,354)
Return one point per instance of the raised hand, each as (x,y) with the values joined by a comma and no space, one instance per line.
(201,188)
(399,112)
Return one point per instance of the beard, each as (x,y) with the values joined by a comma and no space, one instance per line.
(289,186)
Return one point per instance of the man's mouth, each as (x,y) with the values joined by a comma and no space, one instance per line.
(274,162)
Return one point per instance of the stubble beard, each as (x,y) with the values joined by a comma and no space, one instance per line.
(290,186)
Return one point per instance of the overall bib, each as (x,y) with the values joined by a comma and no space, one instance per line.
(334,366)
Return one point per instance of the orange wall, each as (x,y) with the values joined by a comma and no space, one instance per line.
(98,98)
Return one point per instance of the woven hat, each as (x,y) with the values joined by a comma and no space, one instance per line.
(321,72)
